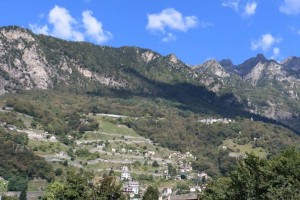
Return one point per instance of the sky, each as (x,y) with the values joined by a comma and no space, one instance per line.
(193,30)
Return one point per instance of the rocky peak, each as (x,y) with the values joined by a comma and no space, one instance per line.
(228,65)
(291,63)
(13,33)
(244,68)
(212,67)
(172,58)
(265,70)
(149,56)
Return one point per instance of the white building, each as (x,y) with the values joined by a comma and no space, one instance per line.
(123,150)
(125,176)
(124,168)
(166,192)
(195,189)
(132,187)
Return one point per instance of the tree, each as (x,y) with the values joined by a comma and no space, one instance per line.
(155,164)
(111,172)
(255,178)
(23,195)
(17,183)
(151,193)
(58,171)
(108,189)
(78,186)
(172,170)
(54,191)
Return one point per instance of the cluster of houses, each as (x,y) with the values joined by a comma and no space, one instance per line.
(212,121)
(130,187)
(135,191)
(147,154)
(181,156)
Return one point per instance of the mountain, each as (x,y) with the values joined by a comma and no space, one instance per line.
(211,74)
(258,85)
(31,61)
(292,64)
(228,65)
(248,65)
(58,84)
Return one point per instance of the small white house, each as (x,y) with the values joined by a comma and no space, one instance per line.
(52,138)
(166,192)
(195,189)
(123,150)
(202,174)
(125,176)
(134,185)
(124,168)
(151,153)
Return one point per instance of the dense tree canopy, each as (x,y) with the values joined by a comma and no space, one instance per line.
(18,164)
(80,187)
(255,178)
(151,193)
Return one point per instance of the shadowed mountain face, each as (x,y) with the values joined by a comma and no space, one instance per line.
(258,85)
(248,65)
(292,63)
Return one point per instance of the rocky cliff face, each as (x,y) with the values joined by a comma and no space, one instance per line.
(211,74)
(29,61)
(292,63)
(266,87)
(23,65)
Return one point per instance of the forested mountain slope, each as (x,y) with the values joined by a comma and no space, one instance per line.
(53,80)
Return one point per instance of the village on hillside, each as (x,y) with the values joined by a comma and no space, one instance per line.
(117,150)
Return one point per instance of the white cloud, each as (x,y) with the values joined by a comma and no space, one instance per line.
(171,19)
(204,24)
(276,52)
(265,42)
(245,8)
(250,9)
(94,28)
(61,24)
(39,29)
(290,7)
(234,4)
(169,37)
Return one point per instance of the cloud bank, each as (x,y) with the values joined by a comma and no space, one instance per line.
(245,9)
(266,43)
(169,20)
(290,7)
(61,24)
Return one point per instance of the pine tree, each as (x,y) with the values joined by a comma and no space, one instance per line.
(151,193)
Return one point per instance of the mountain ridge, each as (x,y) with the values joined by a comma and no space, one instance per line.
(30,61)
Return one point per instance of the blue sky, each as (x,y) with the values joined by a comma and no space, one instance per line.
(194,30)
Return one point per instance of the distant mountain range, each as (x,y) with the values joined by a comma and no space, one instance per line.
(258,85)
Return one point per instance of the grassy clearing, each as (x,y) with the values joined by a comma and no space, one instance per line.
(119,129)
(46,148)
(26,119)
(37,185)
(109,127)
(91,135)
(241,150)
(101,166)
